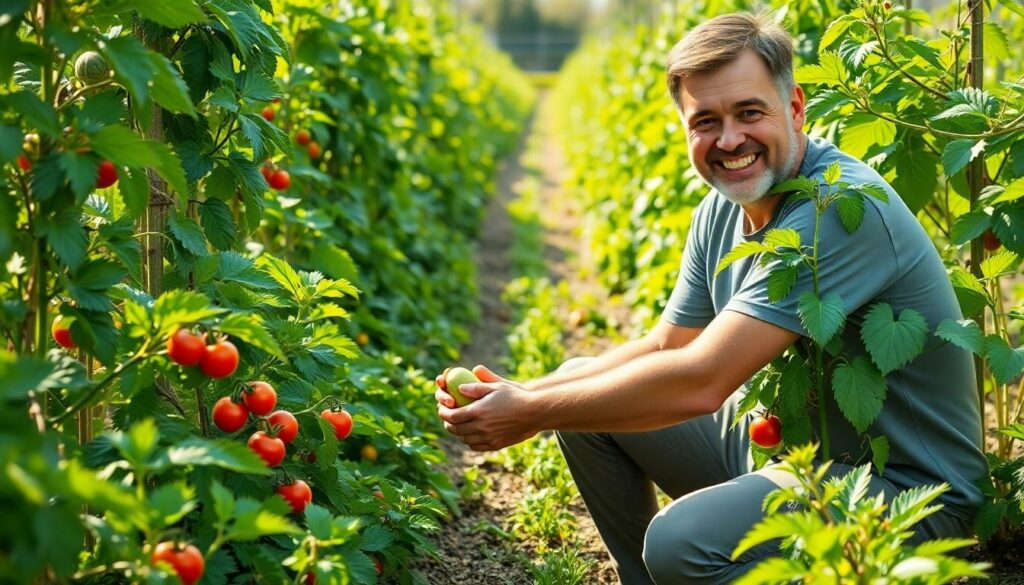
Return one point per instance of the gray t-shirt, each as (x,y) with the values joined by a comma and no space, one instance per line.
(930,414)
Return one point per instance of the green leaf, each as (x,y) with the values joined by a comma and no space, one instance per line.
(11,138)
(234,267)
(859,391)
(916,171)
(836,30)
(252,522)
(177,308)
(1013,191)
(893,343)
(780,282)
(169,89)
(778,526)
(829,71)
(823,102)
(134,188)
(249,328)
(218,223)
(138,444)
(861,131)
(285,275)
(880,453)
(1005,362)
(741,251)
(969,226)
(1000,264)
(989,517)
(187,232)
(258,87)
(170,503)
(221,453)
(850,207)
(318,520)
(964,334)
(124,147)
(131,64)
(223,502)
(797,184)
(783,238)
(376,538)
(335,262)
(171,14)
(995,43)
(21,373)
(822,318)
(80,170)
(970,292)
(34,111)
(66,237)
(833,173)
(1014,431)
(92,282)
(958,153)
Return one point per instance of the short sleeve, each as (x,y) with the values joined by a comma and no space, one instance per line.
(858,267)
(690,304)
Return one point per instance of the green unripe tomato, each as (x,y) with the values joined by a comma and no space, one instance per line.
(91,68)
(457,377)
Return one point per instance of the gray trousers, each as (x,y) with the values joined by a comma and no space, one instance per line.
(706,468)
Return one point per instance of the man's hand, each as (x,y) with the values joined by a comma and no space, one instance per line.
(499,418)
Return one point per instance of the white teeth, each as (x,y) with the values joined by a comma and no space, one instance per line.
(739,163)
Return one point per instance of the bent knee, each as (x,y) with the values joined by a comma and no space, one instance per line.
(673,552)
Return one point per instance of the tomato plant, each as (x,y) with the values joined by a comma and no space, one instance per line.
(270,449)
(287,426)
(229,416)
(340,420)
(185,348)
(220,360)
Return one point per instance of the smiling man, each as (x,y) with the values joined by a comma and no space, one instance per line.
(658,410)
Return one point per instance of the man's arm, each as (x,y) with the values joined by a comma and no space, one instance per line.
(662,336)
(651,391)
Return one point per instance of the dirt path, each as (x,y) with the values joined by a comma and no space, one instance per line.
(474,548)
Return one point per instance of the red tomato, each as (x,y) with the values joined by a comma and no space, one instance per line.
(270,449)
(766,432)
(303,137)
(259,398)
(378,565)
(268,114)
(23,163)
(106,175)
(229,416)
(185,348)
(314,150)
(280,180)
(378,494)
(61,331)
(186,562)
(340,420)
(267,170)
(288,426)
(991,241)
(297,494)
(220,359)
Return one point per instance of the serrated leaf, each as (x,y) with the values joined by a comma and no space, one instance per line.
(138,444)
(218,223)
(988,519)
(188,233)
(916,171)
(823,102)
(234,267)
(850,207)
(250,329)
(836,30)
(179,307)
(376,538)
(222,453)
(223,502)
(822,318)
(964,334)
(778,526)
(131,65)
(958,153)
(783,238)
(797,184)
(893,343)
(859,391)
(66,237)
(21,373)
(741,251)
(829,71)
(252,522)
(134,189)
(284,275)
(833,173)
(1005,362)
(970,292)
(1000,264)
(124,147)
(780,282)
(861,131)
(80,171)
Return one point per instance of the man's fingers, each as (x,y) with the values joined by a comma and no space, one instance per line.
(485,374)
(444,398)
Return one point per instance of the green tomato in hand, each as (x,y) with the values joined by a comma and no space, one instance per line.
(457,377)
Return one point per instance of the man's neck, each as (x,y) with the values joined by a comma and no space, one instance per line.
(760,212)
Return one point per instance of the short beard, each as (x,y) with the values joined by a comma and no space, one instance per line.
(741,195)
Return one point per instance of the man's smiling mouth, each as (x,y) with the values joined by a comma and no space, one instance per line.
(738,163)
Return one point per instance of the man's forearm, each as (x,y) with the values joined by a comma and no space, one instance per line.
(608,360)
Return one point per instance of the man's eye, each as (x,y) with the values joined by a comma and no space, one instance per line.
(703,123)
(750,114)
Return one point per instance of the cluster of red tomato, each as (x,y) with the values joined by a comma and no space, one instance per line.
(276,177)
(219,360)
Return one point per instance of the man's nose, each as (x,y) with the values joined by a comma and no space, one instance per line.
(731,138)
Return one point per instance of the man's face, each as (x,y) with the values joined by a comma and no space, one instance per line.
(742,135)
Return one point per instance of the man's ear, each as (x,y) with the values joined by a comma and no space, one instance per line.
(796,103)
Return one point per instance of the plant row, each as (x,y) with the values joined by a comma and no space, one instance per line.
(235,233)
